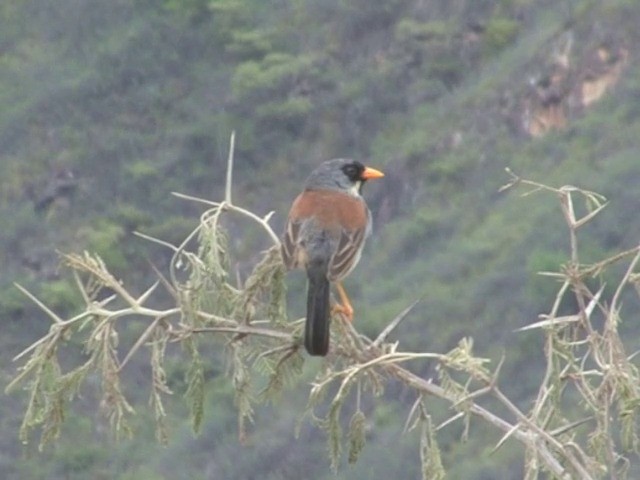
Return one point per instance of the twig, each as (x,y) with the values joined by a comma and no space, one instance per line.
(262,332)
(621,285)
(572,425)
(408,424)
(393,324)
(262,221)
(167,285)
(227,191)
(191,198)
(504,438)
(141,339)
(155,240)
(525,437)
(272,351)
(42,306)
(450,420)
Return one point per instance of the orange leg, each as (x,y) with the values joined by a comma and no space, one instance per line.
(344,306)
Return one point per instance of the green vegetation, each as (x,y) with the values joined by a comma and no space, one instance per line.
(137,100)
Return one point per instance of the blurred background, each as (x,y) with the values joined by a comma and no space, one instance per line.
(107,106)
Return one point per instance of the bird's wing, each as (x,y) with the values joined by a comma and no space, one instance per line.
(290,243)
(347,253)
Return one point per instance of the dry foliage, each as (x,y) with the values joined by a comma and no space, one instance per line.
(584,361)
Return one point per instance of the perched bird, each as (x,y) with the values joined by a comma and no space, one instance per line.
(326,229)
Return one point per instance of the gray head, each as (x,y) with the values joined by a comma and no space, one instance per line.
(341,174)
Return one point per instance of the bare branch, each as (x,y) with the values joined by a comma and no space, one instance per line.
(42,306)
(393,324)
(227,191)
(249,318)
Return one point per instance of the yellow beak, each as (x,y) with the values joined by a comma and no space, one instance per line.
(371,173)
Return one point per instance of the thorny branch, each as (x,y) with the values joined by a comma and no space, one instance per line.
(251,320)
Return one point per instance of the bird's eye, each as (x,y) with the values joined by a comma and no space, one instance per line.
(352,172)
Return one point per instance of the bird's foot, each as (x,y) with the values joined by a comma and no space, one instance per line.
(345,310)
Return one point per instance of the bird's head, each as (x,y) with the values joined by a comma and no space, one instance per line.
(342,174)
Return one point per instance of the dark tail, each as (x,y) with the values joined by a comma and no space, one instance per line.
(316,330)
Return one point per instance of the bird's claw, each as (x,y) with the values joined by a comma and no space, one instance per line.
(345,310)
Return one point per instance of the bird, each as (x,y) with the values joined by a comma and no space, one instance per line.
(325,232)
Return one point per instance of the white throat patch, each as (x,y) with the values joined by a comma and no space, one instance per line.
(355,189)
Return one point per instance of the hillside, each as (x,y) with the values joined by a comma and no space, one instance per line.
(106,107)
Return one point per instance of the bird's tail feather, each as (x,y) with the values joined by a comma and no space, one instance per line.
(316,332)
